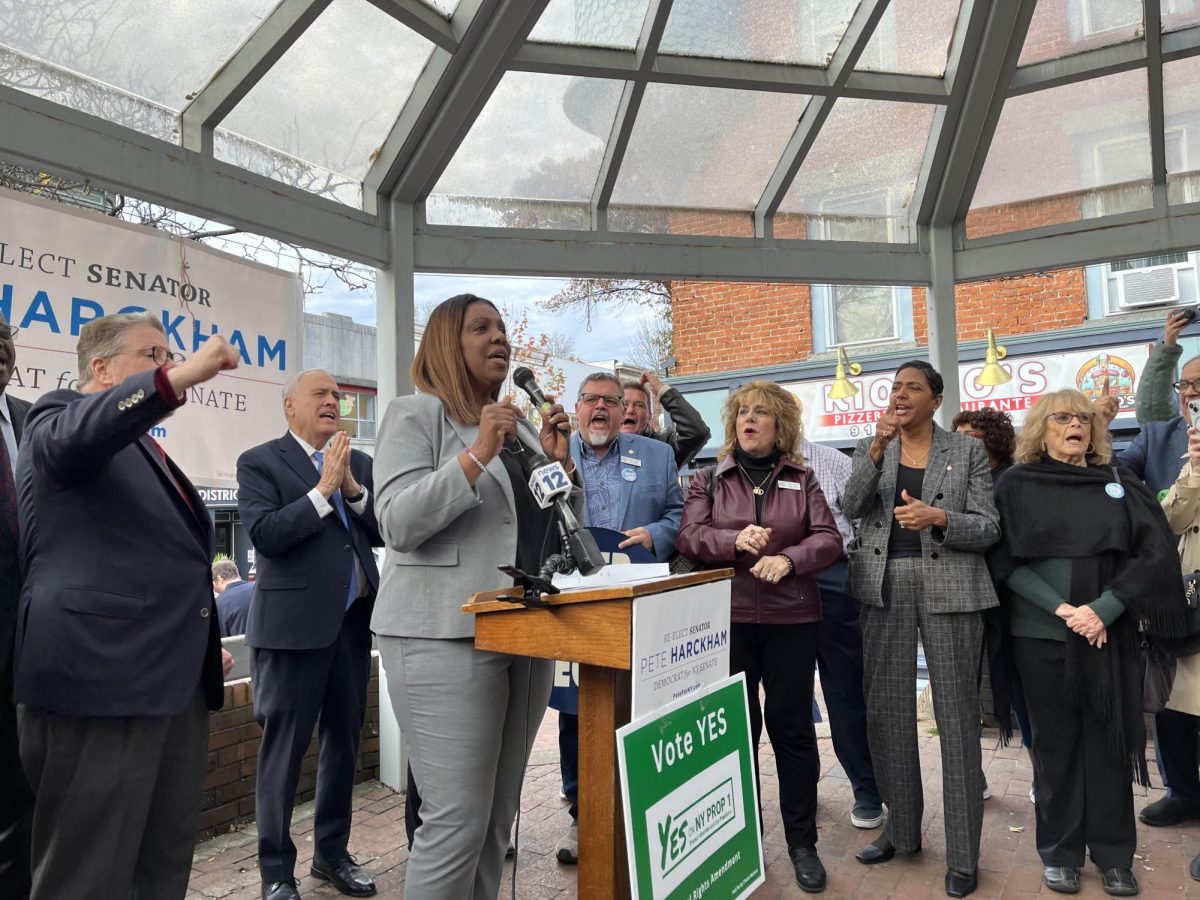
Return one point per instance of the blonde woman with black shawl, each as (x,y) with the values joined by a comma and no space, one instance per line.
(1085,556)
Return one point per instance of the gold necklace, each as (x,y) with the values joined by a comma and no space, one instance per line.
(915,460)
(759,488)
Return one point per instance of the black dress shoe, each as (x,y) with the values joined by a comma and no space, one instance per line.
(1120,882)
(347,876)
(1061,879)
(881,850)
(1169,811)
(959,884)
(1194,868)
(281,890)
(810,874)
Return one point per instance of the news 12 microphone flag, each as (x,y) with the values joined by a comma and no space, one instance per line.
(61,267)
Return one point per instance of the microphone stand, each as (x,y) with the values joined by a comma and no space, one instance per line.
(533,586)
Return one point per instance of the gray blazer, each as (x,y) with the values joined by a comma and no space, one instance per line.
(444,538)
(957,480)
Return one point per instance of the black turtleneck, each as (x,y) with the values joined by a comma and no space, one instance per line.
(757,470)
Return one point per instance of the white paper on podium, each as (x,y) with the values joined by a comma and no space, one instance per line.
(613,574)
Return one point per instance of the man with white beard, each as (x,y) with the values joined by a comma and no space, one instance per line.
(632,486)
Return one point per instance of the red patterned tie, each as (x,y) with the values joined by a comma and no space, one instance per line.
(162,454)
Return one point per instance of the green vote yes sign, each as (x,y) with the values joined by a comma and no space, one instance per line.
(691,814)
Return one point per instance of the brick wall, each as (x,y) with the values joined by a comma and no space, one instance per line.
(731,325)
(228,794)
(721,326)
(1007,217)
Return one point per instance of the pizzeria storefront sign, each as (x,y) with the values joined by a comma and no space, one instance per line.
(1115,369)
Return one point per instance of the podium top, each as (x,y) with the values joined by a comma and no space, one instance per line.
(486,602)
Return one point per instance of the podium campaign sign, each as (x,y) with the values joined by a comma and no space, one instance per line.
(680,644)
(690,805)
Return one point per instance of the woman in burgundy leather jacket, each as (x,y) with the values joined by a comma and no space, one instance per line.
(767,518)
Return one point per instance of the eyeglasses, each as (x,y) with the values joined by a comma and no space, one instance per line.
(8,332)
(1064,418)
(160,355)
(1181,386)
(612,401)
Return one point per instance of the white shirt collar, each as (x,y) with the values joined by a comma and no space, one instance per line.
(308,449)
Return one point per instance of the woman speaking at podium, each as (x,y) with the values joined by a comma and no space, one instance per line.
(451,473)
(766,517)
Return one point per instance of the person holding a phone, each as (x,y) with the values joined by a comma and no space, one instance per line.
(1156,400)
(925,499)
(1176,726)
(1155,453)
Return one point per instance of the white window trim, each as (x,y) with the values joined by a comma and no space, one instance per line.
(845,207)
(1085,10)
(832,337)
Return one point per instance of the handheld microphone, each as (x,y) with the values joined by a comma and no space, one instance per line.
(524,378)
(548,491)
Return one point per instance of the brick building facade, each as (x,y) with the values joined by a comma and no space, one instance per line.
(1059,155)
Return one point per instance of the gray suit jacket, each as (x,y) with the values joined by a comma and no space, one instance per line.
(952,564)
(444,538)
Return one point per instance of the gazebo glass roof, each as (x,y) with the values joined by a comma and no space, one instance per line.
(857,126)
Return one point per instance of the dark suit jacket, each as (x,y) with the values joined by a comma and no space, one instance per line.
(116,615)
(1157,453)
(233,605)
(303,559)
(10,571)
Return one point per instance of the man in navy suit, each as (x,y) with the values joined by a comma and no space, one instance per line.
(233,597)
(118,656)
(632,486)
(17,810)
(306,501)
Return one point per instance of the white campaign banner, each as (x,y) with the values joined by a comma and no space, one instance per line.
(680,644)
(1033,376)
(61,267)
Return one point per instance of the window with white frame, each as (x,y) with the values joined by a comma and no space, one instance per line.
(358,414)
(854,313)
(826,22)
(1118,167)
(862,314)
(1099,16)
(1150,281)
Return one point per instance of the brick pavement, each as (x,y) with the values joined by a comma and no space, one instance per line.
(225,867)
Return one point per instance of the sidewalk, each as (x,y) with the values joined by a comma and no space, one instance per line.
(226,867)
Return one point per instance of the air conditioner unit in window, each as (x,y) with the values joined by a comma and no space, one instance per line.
(1147,287)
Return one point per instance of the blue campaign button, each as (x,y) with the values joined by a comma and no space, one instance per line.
(628,474)
(1114,490)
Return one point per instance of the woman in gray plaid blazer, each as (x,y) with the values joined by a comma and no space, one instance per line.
(925,500)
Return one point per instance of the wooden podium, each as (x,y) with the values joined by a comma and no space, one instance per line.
(593,627)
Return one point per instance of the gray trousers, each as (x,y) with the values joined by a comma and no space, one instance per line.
(952,643)
(469,717)
(117,801)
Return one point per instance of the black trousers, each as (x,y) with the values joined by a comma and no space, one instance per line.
(840,662)
(117,803)
(1084,788)
(781,658)
(16,800)
(293,691)
(1179,754)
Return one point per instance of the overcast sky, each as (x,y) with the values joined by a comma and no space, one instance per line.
(608,340)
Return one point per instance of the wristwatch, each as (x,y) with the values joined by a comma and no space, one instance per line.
(356,497)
